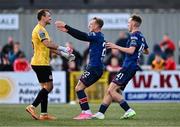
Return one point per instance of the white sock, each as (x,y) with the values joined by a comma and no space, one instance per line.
(100,113)
(33,106)
(44,113)
(88,111)
(129,110)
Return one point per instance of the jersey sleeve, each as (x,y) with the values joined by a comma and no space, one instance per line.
(144,42)
(81,35)
(134,41)
(42,35)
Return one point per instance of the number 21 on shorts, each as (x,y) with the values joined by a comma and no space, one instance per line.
(119,76)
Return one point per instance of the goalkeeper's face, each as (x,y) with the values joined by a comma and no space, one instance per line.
(47,18)
(93,26)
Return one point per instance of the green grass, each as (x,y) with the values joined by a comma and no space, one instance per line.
(148,115)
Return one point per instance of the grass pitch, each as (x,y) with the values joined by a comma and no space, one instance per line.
(148,115)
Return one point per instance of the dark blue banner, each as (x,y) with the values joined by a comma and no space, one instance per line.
(156,96)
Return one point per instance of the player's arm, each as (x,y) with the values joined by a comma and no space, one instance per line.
(49,44)
(69,57)
(54,46)
(146,48)
(79,34)
(55,51)
(129,50)
(74,32)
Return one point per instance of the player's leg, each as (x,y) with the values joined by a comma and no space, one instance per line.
(119,98)
(44,103)
(120,82)
(83,101)
(104,106)
(44,75)
(89,77)
(31,108)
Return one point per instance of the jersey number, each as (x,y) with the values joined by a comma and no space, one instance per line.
(85,74)
(141,49)
(103,51)
(119,76)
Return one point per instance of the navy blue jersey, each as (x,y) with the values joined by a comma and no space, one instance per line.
(137,40)
(97,48)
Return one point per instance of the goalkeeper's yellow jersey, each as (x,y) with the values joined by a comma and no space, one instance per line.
(41,55)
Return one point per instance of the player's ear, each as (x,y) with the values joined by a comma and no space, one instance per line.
(43,16)
(136,24)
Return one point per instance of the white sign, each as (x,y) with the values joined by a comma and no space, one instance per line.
(112,20)
(23,87)
(9,21)
(154,86)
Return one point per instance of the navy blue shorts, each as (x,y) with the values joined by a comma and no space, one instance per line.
(123,77)
(91,75)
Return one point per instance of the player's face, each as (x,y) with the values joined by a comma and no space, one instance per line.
(130,24)
(47,18)
(92,26)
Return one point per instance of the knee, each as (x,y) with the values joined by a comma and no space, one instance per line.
(78,88)
(121,98)
(48,87)
(110,92)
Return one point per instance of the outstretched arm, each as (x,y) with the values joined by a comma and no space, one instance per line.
(77,34)
(55,51)
(54,47)
(74,32)
(69,57)
(50,44)
(129,50)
